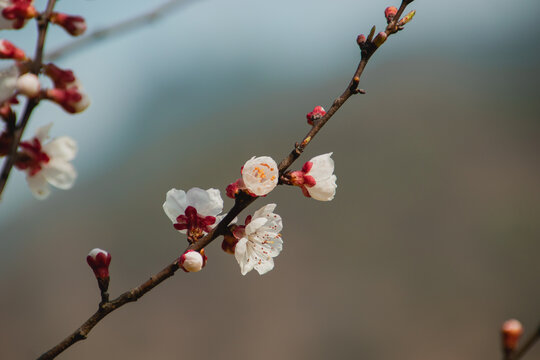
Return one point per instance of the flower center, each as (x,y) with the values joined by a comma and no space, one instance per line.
(195,224)
(32,157)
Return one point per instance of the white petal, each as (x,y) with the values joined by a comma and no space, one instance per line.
(175,204)
(241,254)
(324,190)
(38,185)
(207,202)
(8,81)
(255,224)
(323,167)
(264,211)
(62,148)
(42,133)
(60,173)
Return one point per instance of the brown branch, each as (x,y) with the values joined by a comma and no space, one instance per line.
(242,201)
(527,345)
(35,67)
(116,29)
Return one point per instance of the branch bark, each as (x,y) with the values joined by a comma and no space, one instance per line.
(242,201)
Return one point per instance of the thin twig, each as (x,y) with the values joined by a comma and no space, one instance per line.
(242,201)
(527,345)
(116,29)
(35,67)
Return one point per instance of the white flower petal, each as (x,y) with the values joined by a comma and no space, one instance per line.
(62,148)
(207,202)
(60,173)
(241,254)
(255,224)
(324,190)
(8,81)
(42,133)
(38,185)
(323,167)
(175,204)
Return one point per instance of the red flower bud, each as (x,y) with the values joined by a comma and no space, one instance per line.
(99,261)
(361,39)
(10,51)
(317,113)
(74,25)
(511,332)
(19,11)
(390,12)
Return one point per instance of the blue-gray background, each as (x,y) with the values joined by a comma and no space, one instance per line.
(430,244)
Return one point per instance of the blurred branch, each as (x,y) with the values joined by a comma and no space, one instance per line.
(527,345)
(35,66)
(242,201)
(116,29)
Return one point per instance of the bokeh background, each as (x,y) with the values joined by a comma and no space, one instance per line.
(430,244)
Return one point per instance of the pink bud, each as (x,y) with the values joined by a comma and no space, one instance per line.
(361,39)
(234,188)
(390,12)
(511,332)
(73,100)
(60,77)
(317,113)
(99,261)
(74,25)
(28,84)
(19,11)
(10,51)
(192,261)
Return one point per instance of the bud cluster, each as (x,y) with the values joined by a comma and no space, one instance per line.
(43,163)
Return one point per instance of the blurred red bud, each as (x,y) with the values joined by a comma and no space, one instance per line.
(390,12)
(511,332)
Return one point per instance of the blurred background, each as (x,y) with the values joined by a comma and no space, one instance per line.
(431,242)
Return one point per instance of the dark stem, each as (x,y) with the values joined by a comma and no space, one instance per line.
(527,345)
(242,201)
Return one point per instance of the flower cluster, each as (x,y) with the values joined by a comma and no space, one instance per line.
(258,241)
(43,163)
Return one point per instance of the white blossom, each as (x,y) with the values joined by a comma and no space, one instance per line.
(261,241)
(322,171)
(195,211)
(260,175)
(48,163)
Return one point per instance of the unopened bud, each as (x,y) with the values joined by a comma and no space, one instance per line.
(361,39)
(380,39)
(234,188)
(17,12)
(73,100)
(317,113)
(99,261)
(74,25)
(511,332)
(28,84)
(407,18)
(10,51)
(229,243)
(191,261)
(390,12)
